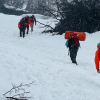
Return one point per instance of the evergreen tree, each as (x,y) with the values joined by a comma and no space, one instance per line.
(79,15)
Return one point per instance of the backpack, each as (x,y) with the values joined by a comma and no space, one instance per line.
(76,41)
(26,19)
(73,41)
(22,23)
(66,44)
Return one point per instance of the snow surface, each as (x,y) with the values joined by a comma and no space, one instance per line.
(43,58)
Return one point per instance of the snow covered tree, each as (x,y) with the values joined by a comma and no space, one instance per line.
(39,6)
(33,6)
(4,8)
(2,2)
(78,15)
(16,3)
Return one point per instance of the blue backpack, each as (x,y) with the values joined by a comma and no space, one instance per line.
(66,44)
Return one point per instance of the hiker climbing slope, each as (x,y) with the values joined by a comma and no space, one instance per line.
(73,45)
(21,26)
(97,57)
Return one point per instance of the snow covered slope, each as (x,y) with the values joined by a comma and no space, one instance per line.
(43,58)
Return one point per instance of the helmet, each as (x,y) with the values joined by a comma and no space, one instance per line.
(22,18)
(98,45)
(32,15)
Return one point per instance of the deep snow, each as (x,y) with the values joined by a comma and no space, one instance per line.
(43,58)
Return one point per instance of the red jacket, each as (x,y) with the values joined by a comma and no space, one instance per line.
(97,58)
(21,24)
(28,21)
(33,19)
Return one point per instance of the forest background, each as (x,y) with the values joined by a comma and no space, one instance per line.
(73,15)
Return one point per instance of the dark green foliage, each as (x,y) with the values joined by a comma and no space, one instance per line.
(79,15)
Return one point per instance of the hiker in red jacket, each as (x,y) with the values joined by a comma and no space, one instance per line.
(21,26)
(73,44)
(97,57)
(27,22)
(33,20)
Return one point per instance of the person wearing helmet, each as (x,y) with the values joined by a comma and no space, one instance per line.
(97,57)
(73,45)
(33,20)
(27,22)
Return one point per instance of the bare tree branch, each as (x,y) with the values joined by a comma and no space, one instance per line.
(45,25)
(59,9)
(51,13)
(16,88)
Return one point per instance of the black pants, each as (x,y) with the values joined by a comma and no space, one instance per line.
(73,54)
(22,30)
(27,28)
